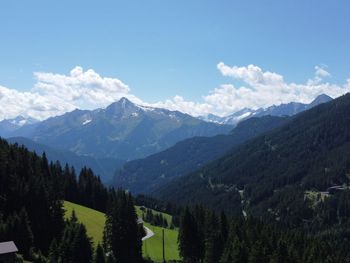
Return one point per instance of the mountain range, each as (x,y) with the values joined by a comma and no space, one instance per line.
(123,130)
(105,138)
(18,125)
(281,175)
(288,109)
(143,176)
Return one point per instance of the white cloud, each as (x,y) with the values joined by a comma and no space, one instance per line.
(14,103)
(252,75)
(55,94)
(264,88)
(320,71)
(180,104)
(320,74)
(81,89)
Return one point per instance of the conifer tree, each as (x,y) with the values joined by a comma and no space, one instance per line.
(99,256)
(121,235)
(213,239)
(74,247)
(188,238)
(18,229)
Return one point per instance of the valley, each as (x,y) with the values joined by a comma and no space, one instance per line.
(174,131)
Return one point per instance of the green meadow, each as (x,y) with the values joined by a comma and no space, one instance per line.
(92,219)
(152,247)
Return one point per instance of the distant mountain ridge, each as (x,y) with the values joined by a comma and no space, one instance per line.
(18,125)
(123,130)
(288,109)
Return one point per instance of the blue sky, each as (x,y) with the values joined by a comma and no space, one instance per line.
(161,49)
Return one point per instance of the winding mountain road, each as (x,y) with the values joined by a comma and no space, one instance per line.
(149,233)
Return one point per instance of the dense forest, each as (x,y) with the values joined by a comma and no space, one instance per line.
(206,237)
(32,191)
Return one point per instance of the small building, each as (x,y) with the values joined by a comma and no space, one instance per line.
(8,252)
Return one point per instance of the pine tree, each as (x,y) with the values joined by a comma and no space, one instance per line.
(188,238)
(74,247)
(121,235)
(212,240)
(99,255)
(54,253)
(18,229)
(25,234)
(224,229)
(235,249)
(81,245)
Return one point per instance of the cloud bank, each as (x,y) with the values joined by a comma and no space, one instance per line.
(54,94)
(260,89)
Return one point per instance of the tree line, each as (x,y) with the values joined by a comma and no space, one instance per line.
(156,219)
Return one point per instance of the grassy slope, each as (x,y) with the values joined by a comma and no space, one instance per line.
(152,247)
(92,219)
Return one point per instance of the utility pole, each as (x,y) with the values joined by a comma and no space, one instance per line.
(163,246)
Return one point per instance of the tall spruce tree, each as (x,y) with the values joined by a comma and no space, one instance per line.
(188,238)
(99,256)
(212,240)
(74,247)
(121,235)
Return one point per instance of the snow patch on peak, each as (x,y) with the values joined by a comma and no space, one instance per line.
(243,116)
(21,121)
(146,108)
(86,121)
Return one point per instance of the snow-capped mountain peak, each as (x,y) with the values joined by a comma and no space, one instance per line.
(20,121)
(288,109)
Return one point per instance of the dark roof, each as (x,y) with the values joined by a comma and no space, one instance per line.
(8,247)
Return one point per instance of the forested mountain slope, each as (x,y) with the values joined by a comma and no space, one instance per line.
(145,175)
(283,175)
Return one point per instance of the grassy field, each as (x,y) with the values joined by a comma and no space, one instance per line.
(92,219)
(152,247)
